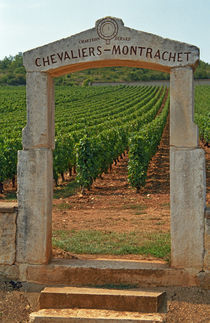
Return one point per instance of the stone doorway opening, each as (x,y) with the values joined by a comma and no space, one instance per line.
(111,206)
(110,43)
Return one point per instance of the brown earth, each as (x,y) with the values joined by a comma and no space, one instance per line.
(111,205)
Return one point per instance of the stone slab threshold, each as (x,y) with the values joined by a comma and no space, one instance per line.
(92,316)
(76,272)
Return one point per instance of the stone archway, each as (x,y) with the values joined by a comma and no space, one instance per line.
(110,43)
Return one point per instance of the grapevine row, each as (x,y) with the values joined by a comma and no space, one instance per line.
(93,126)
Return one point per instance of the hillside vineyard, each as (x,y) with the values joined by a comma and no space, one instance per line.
(94,126)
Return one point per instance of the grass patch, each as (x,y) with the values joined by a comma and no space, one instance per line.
(12,196)
(64,206)
(65,190)
(140,213)
(136,207)
(165,205)
(159,223)
(113,243)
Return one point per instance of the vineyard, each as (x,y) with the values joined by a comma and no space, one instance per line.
(94,126)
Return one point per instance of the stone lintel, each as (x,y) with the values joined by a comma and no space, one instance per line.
(188,187)
(35,190)
(183,130)
(110,40)
(39,131)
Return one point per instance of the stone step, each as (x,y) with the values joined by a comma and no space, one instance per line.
(92,316)
(109,299)
(83,272)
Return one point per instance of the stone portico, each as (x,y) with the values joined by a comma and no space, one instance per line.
(109,43)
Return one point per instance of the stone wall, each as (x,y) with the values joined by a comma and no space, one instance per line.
(8,218)
(8,229)
(10,268)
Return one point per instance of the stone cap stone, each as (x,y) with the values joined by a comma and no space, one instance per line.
(8,207)
(110,43)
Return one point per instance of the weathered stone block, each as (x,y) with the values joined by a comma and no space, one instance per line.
(9,272)
(39,131)
(35,189)
(183,131)
(8,214)
(187,171)
(102,272)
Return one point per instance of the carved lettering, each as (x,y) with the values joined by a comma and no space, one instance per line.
(149,53)
(99,51)
(53,59)
(84,52)
(66,55)
(125,50)
(123,38)
(187,54)
(46,61)
(72,54)
(141,50)
(172,56)
(179,57)
(60,56)
(84,41)
(163,56)
(116,50)
(91,51)
(37,63)
(157,54)
(133,50)
(144,52)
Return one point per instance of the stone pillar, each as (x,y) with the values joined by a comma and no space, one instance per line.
(39,131)
(35,172)
(187,175)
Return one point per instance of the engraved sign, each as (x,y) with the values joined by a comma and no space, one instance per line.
(107,29)
(110,41)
